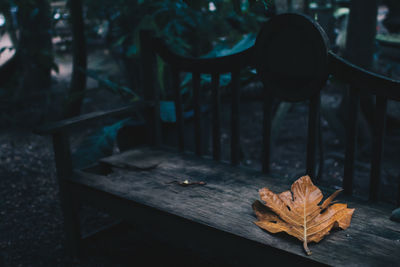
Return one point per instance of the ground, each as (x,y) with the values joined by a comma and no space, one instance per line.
(30,218)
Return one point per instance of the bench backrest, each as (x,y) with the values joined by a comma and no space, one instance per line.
(294,63)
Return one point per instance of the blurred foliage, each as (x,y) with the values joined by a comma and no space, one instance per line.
(115,25)
(184,25)
(28,25)
(97,145)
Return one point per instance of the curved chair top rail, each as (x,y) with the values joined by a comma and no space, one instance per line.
(362,79)
(341,69)
(223,64)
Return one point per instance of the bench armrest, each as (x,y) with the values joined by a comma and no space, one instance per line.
(62,125)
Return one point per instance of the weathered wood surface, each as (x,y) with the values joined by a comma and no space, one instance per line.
(225,204)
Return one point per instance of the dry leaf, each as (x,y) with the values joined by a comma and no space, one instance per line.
(298,213)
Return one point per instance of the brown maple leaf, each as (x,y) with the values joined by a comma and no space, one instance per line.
(298,213)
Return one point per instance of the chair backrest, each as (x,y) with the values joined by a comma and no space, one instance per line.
(232,64)
(294,63)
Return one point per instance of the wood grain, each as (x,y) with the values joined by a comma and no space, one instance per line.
(225,204)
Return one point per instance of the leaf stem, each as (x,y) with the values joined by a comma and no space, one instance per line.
(306,249)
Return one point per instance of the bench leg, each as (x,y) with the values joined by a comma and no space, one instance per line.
(70,210)
(69,205)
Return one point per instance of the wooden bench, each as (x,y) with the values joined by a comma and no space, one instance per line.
(217,218)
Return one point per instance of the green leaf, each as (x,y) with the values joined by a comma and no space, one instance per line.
(34,13)
(132,50)
(112,86)
(247,41)
(121,40)
(167,111)
(97,145)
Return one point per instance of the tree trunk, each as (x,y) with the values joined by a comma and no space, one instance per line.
(392,21)
(34,50)
(78,80)
(361,31)
(360,48)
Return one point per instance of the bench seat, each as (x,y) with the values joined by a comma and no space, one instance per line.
(218,216)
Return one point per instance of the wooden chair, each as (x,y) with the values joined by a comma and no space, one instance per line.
(293,61)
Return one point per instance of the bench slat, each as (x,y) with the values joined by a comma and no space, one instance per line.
(216,116)
(351,140)
(313,118)
(225,204)
(178,108)
(267,121)
(148,62)
(197,113)
(369,82)
(377,146)
(235,124)
(224,64)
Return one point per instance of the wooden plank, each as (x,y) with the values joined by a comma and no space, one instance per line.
(64,125)
(69,208)
(216,116)
(370,82)
(197,113)
(267,122)
(224,203)
(313,117)
(178,108)
(150,89)
(220,248)
(351,139)
(223,64)
(377,146)
(235,118)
